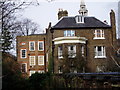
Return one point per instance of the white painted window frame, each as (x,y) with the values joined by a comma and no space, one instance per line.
(79,19)
(38,45)
(102,34)
(30,45)
(72,33)
(82,50)
(103,51)
(59,52)
(74,50)
(47,57)
(25,67)
(21,53)
(23,43)
(30,61)
(39,59)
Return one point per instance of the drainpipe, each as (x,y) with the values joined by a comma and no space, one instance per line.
(44,55)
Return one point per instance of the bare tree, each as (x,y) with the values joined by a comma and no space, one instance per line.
(26,27)
(8,10)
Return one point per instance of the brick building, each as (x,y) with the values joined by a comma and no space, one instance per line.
(75,44)
(31,53)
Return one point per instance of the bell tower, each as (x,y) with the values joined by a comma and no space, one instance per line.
(83,10)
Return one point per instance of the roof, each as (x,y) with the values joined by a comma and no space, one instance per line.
(89,22)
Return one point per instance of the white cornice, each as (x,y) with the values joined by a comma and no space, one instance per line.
(61,40)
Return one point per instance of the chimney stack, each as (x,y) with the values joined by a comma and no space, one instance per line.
(113,24)
(62,13)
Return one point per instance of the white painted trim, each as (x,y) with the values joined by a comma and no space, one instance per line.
(47,57)
(59,52)
(43,59)
(60,57)
(30,46)
(25,68)
(21,53)
(32,72)
(69,41)
(102,50)
(102,35)
(30,61)
(43,45)
(100,57)
(61,40)
(72,32)
(81,19)
(23,43)
(99,38)
(41,71)
(70,38)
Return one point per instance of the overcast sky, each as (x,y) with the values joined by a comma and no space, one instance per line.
(46,12)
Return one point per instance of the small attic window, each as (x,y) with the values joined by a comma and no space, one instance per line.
(79,19)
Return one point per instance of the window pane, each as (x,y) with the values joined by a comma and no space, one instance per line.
(71,47)
(40,60)
(23,53)
(60,52)
(41,45)
(32,60)
(99,48)
(82,49)
(24,68)
(68,33)
(72,33)
(65,33)
(72,51)
(31,46)
(99,33)
(100,51)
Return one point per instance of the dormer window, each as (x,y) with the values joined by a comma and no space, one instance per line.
(79,19)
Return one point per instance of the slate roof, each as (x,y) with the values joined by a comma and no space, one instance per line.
(89,22)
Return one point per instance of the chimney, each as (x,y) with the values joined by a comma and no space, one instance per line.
(62,13)
(113,24)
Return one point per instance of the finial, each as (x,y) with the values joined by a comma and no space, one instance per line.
(82,2)
(83,10)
